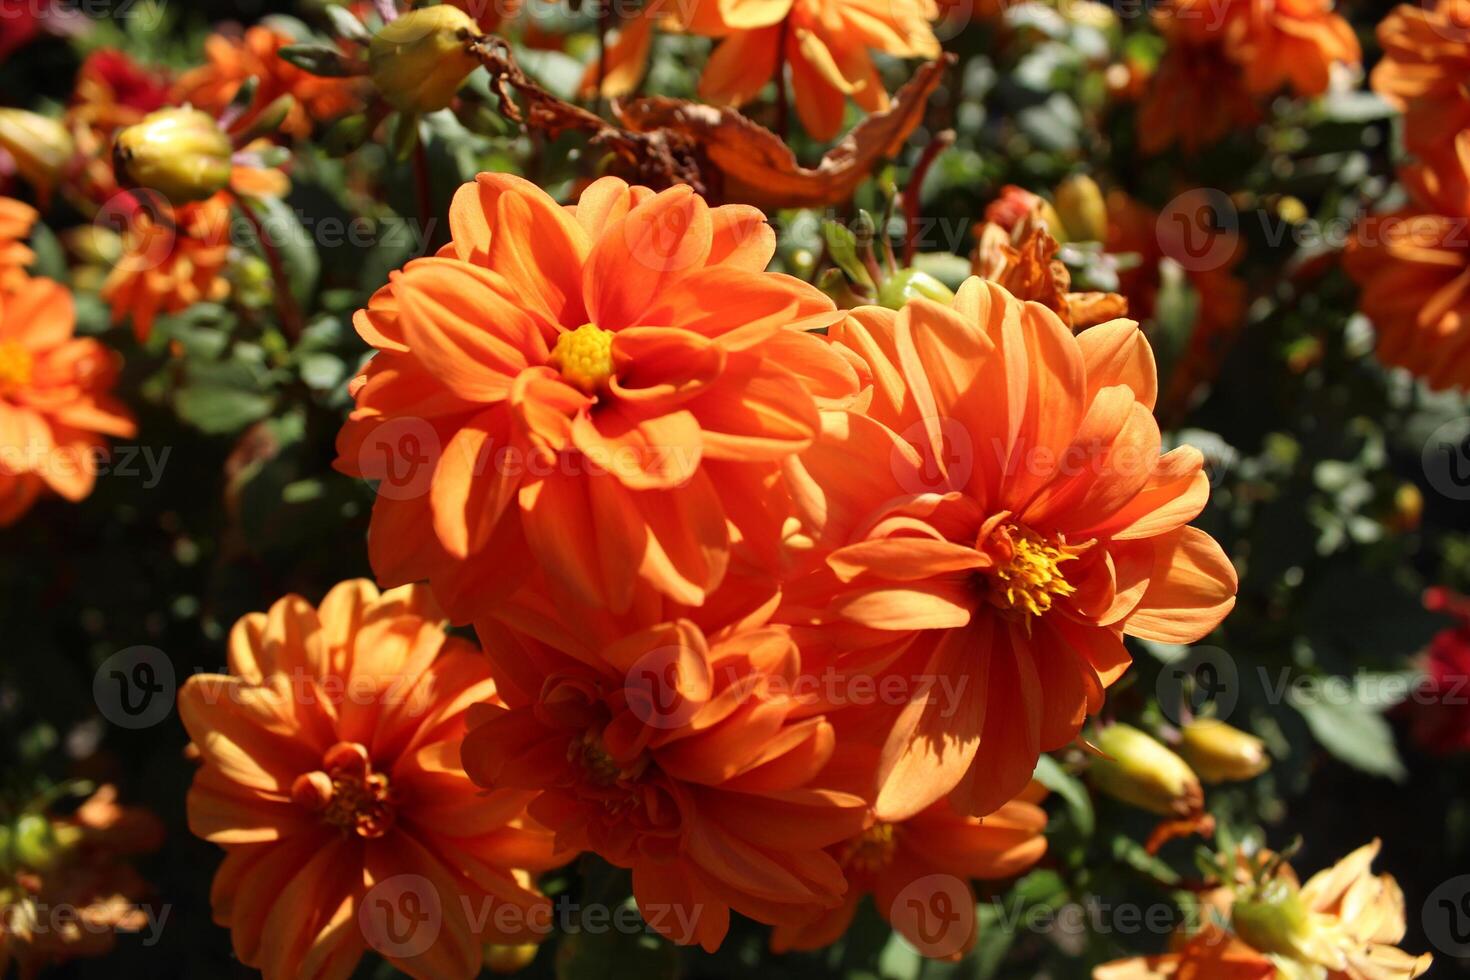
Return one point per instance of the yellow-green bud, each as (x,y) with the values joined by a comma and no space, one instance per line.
(1222,754)
(40,145)
(905,284)
(32,842)
(1140,770)
(419,60)
(180,153)
(1274,920)
(1082,210)
(500,958)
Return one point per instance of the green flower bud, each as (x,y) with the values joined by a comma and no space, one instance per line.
(180,153)
(419,60)
(1141,771)
(905,284)
(1222,754)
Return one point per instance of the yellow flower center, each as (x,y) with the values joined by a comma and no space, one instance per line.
(1027,575)
(347,793)
(872,850)
(16,363)
(584,357)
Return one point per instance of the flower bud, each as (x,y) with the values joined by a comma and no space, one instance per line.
(180,153)
(40,145)
(1081,208)
(905,284)
(1275,920)
(32,843)
(500,958)
(1221,753)
(419,60)
(1139,770)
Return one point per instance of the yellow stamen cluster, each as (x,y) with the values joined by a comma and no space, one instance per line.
(872,850)
(601,768)
(16,363)
(584,357)
(1031,577)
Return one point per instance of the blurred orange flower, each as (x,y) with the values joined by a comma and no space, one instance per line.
(1413,267)
(1426,59)
(74,862)
(232,60)
(172,258)
(681,756)
(1208,258)
(608,382)
(55,401)
(826,43)
(1001,519)
(331,777)
(16,219)
(1222,57)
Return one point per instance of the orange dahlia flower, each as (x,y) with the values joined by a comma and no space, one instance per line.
(1208,257)
(172,258)
(1197,96)
(678,755)
(16,219)
(1345,923)
(1000,519)
(825,42)
(1293,44)
(1426,59)
(331,777)
(77,862)
(916,867)
(608,383)
(1413,269)
(55,401)
(233,60)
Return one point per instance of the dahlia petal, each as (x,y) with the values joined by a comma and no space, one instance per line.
(936,736)
(1176,491)
(673,905)
(820,104)
(1054,407)
(313,913)
(223,813)
(688,541)
(932,604)
(664,366)
(472,486)
(659,242)
(454,952)
(467,331)
(1117,353)
(1012,736)
(540,247)
(604,202)
(741,236)
(904,559)
(740,66)
(1190,591)
(757,411)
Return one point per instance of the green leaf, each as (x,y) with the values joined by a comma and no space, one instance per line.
(296,248)
(843,247)
(1050,774)
(319,59)
(1354,733)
